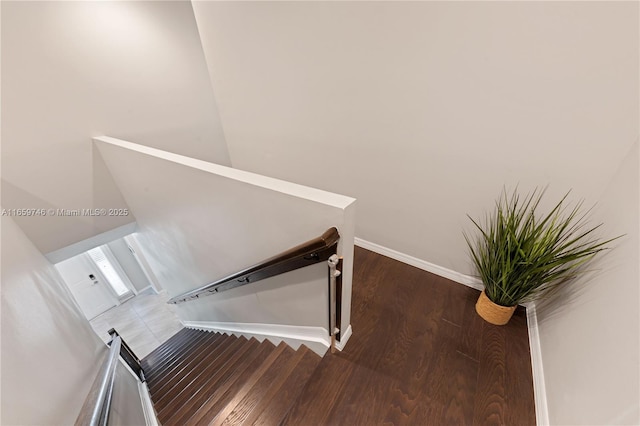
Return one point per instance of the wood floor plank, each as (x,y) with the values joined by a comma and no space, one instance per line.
(321,393)
(361,401)
(453,387)
(260,393)
(229,402)
(408,389)
(419,355)
(519,377)
(471,331)
(282,399)
(490,403)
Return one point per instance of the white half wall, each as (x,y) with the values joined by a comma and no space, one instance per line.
(74,70)
(591,344)
(426,109)
(50,354)
(199,222)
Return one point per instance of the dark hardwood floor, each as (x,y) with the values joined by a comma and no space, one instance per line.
(419,355)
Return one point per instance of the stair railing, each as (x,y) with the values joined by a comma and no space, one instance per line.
(97,405)
(128,356)
(313,251)
(335,299)
(320,249)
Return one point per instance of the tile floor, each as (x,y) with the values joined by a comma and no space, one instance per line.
(145,322)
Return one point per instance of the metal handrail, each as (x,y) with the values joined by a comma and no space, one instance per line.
(95,411)
(313,251)
(128,356)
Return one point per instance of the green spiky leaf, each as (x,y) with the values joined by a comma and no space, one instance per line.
(521,256)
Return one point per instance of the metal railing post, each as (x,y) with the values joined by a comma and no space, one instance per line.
(334,273)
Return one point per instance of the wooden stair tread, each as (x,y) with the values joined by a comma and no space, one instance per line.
(209,411)
(207,378)
(159,379)
(213,383)
(210,398)
(175,357)
(176,392)
(181,357)
(178,382)
(158,355)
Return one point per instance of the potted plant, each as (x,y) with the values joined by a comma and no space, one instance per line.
(522,256)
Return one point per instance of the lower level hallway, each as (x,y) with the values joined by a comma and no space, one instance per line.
(419,355)
(145,322)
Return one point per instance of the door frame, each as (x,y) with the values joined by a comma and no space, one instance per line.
(123,276)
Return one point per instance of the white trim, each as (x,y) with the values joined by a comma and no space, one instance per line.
(80,247)
(150,418)
(149,287)
(136,251)
(312,194)
(344,338)
(539,388)
(316,338)
(441,271)
(121,273)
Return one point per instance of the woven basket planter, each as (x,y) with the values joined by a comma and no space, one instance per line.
(492,313)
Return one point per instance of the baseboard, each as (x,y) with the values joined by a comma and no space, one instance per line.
(149,287)
(467,280)
(539,389)
(344,338)
(315,338)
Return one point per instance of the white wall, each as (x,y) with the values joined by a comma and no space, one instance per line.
(129,264)
(199,222)
(50,354)
(74,70)
(591,346)
(92,296)
(424,110)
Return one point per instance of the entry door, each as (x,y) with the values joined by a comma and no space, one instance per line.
(93,295)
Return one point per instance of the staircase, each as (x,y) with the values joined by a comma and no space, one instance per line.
(207,378)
